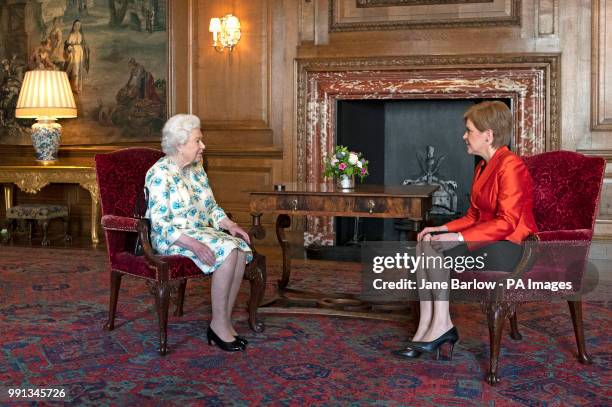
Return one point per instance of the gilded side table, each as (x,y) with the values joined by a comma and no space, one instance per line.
(32,178)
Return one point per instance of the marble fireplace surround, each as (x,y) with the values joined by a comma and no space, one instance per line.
(531,81)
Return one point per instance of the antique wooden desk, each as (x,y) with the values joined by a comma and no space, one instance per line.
(32,178)
(371,201)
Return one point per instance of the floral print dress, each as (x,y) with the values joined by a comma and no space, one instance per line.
(181,202)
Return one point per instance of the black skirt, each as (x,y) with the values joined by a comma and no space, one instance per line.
(499,256)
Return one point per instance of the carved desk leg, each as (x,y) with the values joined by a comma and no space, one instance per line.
(283,222)
(256,231)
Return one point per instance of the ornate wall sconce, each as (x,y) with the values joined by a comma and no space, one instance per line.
(226,32)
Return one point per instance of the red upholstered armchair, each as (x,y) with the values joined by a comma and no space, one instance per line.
(121,177)
(567,187)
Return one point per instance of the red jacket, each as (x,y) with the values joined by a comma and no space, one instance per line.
(501,203)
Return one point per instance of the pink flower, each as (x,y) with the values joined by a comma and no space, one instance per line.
(363,171)
(342,166)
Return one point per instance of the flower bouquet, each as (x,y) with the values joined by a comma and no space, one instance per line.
(344,165)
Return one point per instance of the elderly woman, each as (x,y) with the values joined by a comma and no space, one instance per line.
(186,220)
(499,218)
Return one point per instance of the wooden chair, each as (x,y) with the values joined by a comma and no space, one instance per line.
(121,177)
(567,188)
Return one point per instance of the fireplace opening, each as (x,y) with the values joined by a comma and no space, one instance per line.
(401,138)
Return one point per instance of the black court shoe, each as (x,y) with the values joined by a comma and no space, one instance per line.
(451,336)
(242,340)
(406,353)
(226,346)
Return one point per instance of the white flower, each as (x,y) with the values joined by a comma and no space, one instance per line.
(359,164)
(334,161)
(353,159)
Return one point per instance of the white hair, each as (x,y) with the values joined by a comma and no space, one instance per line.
(177,130)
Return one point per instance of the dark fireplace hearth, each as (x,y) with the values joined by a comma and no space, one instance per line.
(395,135)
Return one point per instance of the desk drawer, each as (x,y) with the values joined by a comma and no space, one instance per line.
(313,203)
(290,203)
(342,205)
(370,205)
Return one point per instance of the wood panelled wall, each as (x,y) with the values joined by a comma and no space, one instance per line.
(241,99)
(579,30)
(246,99)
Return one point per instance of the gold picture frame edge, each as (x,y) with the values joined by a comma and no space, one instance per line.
(513,20)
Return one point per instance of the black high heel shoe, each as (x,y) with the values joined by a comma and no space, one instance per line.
(242,340)
(226,346)
(451,336)
(407,353)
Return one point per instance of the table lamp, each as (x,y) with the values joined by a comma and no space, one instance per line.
(45,96)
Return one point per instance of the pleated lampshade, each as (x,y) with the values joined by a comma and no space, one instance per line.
(45,94)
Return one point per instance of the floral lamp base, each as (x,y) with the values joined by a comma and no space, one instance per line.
(46,140)
(346,181)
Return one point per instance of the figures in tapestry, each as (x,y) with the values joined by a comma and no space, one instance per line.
(139,105)
(41,57)
(76,54)
(117,71)
(140,85)
(57,47)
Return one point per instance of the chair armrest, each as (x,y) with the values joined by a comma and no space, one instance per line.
(528,258)
(143,231)
(565,235)
(120,223)
(533,247)
(141,226)
(230,217)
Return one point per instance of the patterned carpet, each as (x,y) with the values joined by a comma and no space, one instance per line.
(53,303)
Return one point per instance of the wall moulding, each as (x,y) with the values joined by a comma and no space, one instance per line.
(389,3)
(364,15)
(530,81)
(601,66)
(547,18)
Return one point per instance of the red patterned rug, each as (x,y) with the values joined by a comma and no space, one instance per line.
(53,303)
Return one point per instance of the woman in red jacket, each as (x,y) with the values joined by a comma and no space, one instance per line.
(499,218)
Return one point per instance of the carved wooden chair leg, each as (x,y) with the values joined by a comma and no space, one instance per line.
(161,292)
(115,278)
(576,312)
(496,317)
(514,332)
(180,298)
(256,274)
(45,230)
